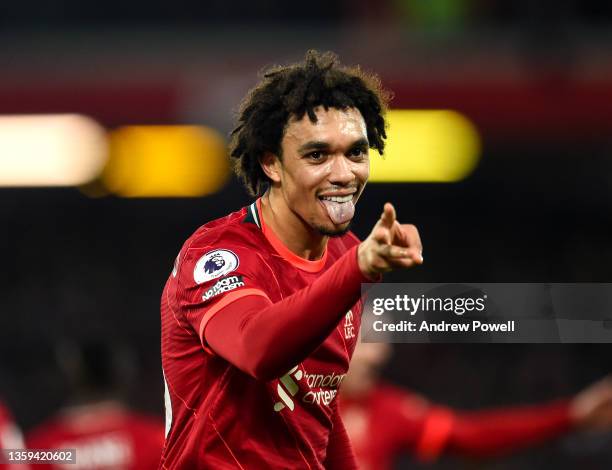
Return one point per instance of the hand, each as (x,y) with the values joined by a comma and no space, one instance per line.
(592,408)
(391,245)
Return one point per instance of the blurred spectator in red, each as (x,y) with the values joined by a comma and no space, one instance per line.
(384,421)
(10,436)
(104,433)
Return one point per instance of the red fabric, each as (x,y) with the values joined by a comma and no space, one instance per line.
(502,430)
(389,421)
(10,437)
(437,426)
(105,437)
(266,339)
(228,408)
(340,454)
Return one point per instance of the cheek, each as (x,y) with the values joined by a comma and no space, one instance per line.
(320,172)
(299,186)
(312,177)
(362,171)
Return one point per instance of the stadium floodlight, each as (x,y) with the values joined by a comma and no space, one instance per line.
(440,146)
(166,161)
(50,150)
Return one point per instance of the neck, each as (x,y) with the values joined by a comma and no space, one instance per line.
(295,234)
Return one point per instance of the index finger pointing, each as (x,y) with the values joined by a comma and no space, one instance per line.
(388,216)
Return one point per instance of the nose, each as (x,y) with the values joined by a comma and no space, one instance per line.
(341,172)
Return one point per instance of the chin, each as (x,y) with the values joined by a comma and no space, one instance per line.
(334,231)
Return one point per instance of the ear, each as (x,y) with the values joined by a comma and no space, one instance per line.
(270,164)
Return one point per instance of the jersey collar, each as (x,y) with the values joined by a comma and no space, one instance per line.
(254,211)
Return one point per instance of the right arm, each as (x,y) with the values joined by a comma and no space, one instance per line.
(266,339)
(491,432)
(502,430)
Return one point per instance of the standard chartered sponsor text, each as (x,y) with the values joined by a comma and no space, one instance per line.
(323,388)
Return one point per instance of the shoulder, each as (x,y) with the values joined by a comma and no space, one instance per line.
(233,229)
(220,247)
(232,233)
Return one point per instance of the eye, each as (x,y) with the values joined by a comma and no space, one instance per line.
(315,155)
(356,152)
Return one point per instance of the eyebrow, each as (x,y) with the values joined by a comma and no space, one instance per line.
(322,145)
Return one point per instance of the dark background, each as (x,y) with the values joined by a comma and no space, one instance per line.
(535,79)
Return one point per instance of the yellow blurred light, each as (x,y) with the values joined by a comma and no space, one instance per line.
(426,146)
(50,150)
(166,161)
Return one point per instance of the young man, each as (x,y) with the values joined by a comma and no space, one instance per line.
(261,313)
(384,421)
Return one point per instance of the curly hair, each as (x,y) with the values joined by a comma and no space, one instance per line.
(291,92)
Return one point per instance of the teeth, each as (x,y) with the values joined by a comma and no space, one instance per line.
(338,198)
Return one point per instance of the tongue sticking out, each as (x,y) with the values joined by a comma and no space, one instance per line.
(339,212)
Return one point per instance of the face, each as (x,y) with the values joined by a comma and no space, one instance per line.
(324,168)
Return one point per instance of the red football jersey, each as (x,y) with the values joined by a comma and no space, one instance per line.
(216,415)
(105,436)
(383,424)
(390,420)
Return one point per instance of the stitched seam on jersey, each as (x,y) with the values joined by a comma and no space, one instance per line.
(190,333)
(165,355)
(223,383)
(212,421)
(171,388)
(273,275)
(295,440)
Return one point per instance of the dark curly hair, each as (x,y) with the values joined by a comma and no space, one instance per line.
(292,91)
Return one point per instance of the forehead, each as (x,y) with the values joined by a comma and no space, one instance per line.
(333,126)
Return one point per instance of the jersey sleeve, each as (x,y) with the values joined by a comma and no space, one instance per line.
(499,431)
(265,339)
(210,277)
(489,432)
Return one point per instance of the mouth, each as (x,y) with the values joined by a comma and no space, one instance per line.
(339,205)
(347,198)
(339,193)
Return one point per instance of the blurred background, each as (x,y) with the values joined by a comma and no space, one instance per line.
(113,123)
